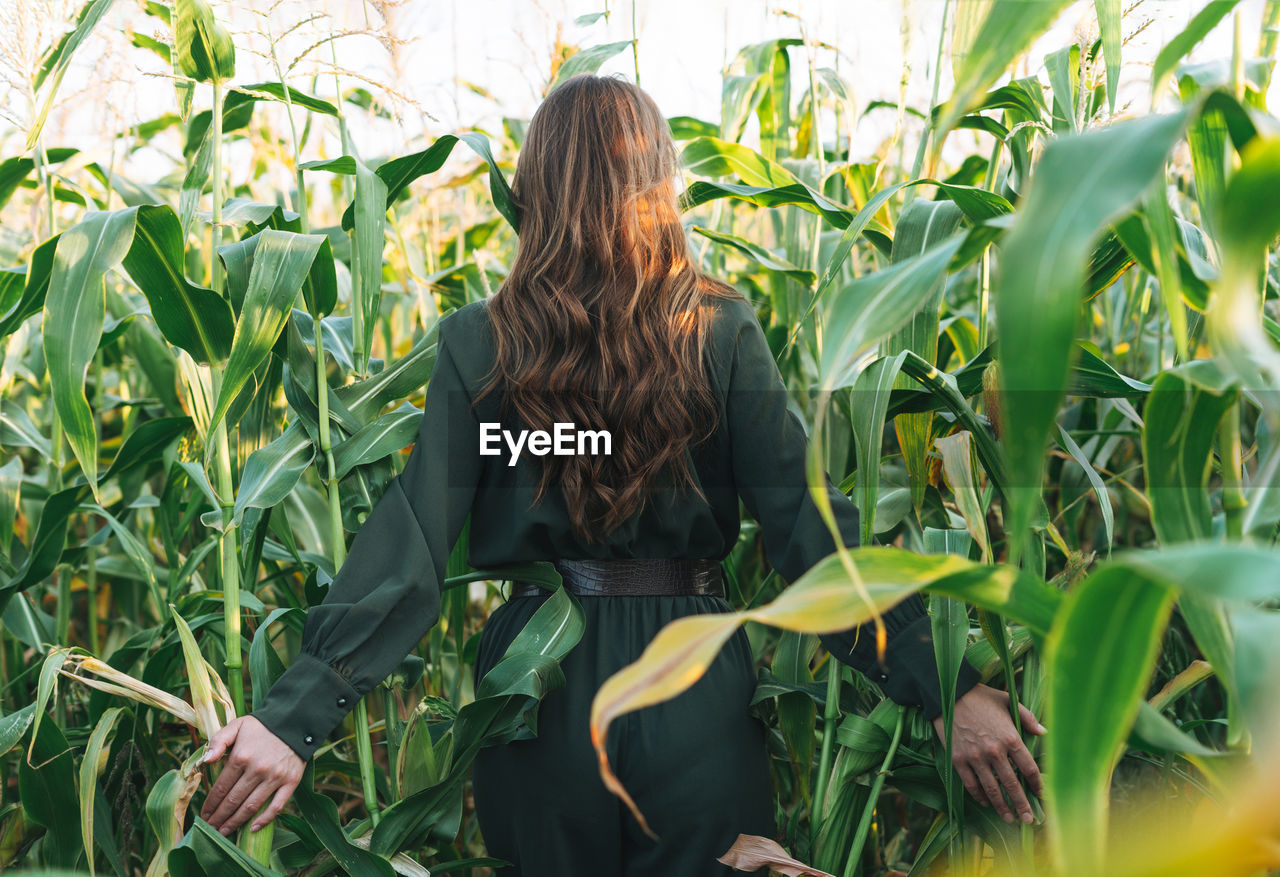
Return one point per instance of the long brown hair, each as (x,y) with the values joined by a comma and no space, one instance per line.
(603,319)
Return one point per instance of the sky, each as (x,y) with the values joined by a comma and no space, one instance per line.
(420,51)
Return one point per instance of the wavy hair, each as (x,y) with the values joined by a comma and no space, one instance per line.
(604,316)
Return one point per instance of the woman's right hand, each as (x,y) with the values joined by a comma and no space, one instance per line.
(986,747)
(260,766)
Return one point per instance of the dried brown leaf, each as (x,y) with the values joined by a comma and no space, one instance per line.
(750,852)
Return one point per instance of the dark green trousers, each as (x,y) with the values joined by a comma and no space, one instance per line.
(696,765)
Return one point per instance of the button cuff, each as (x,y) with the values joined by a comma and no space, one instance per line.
(306,703)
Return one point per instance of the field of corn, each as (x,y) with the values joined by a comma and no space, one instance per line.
(1046,368)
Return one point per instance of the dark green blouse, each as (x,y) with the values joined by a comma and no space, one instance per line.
(386,596)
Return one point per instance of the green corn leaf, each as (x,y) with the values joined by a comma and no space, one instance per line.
(271,472)
(35,286)
(1109,13)
(12,282)
(321,814)
(1095,481)
(1249,221)
(505,709)
(711,157)
(797,194)
(72,326)
(14,172)
(1007,31)
(921,225)
(238,107)
(400,378)
(870,403)
(1197,29)
(1063,67)
(797,713)
(370,240)
(1081,183)
(759,255)
(144,445)
(166,810)
(872,306)
(205,50)
(96,754)
(968,19)
(10,494)
(770,61)
(55,63)
(194,183)
(398,173)
(133,548)
(377,439)
(1093,376)
(1100,653)
(47,795)
(949,624)
(588,60)
(301,389)
(281,263)
(13,727)
(203,850)
(17,430)
(957,464)
(740,95)
(191,317)
(1180,420)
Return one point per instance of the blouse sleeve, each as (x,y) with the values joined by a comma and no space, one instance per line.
(386,596)
(769,444)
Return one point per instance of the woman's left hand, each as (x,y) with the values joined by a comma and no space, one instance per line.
(986,747)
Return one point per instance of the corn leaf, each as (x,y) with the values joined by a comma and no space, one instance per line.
(1081,183)
(588,60)
(1109,14)
(820,601)
(191,317)
(72,326)
(55,63)
(872,306)
(398,173)
(281,262)
(1007,31)
(205,49)
(1205,20)
(921,225)
(91,768)
(1100,653)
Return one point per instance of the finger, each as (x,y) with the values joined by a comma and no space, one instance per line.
(252,804)
(971,784)
(1029,720)
(992,788)
(1011,785)
(1030,770)
(232,799)
(220,742)
(277,804)
(226,780)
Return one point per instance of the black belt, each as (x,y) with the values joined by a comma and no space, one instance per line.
(634,575)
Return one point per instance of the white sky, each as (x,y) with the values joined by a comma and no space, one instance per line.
(505,46)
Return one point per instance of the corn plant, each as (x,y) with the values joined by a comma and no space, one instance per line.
(1046,374)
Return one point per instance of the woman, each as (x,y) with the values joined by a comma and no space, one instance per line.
(604,323)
